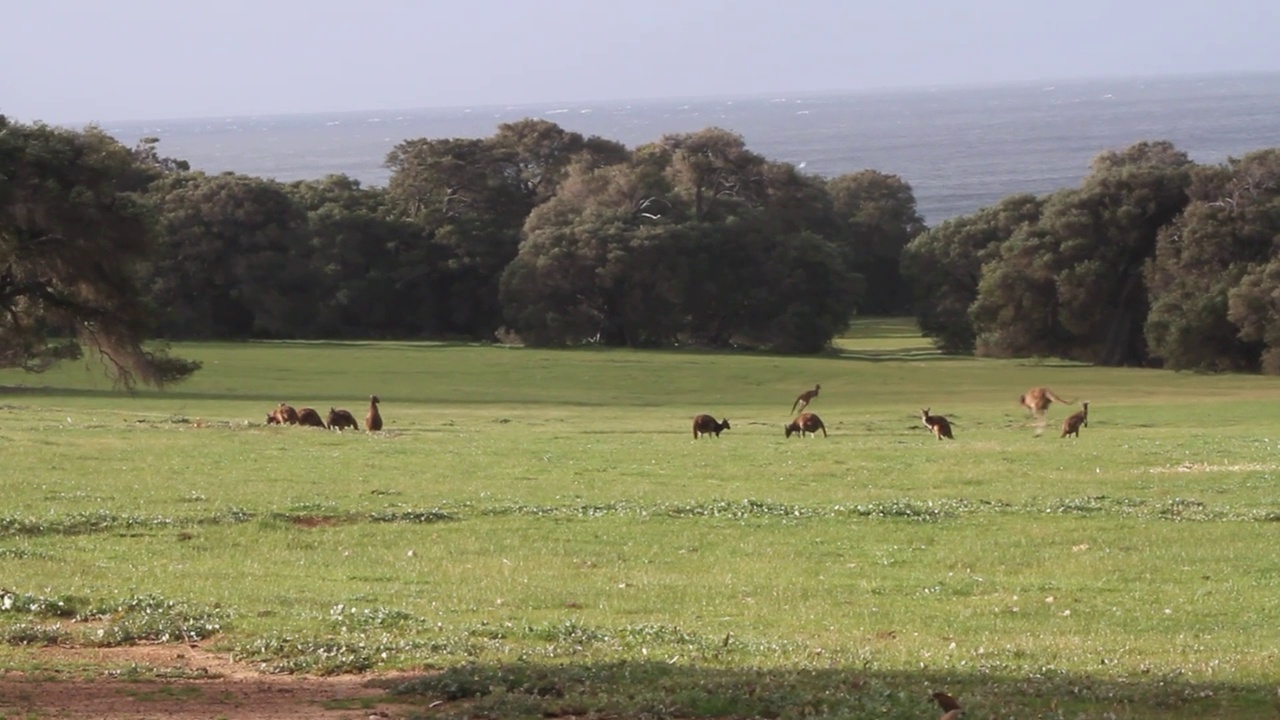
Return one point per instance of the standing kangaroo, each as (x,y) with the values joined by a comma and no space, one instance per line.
(940,426)
(805,398)
(373,419)
(1038,399)
(1072,425)
(707,425)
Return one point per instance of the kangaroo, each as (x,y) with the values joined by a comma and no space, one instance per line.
(806,423)
(310,418)
(707,425)
(283,415)
(951,709)
(940,426)
(1038,399)
(805,398)
(373,419)
(339,419)
(1072,425)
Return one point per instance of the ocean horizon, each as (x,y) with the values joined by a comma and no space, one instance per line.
(960,148)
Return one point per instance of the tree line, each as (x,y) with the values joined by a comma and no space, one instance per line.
(543,236)
(1152,261)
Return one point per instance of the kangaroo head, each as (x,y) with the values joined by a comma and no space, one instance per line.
(924,412)
(724,424)
(374,399)
(790,429)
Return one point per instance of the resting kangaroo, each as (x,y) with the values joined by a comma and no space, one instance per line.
(940,426)
(373,419)
(1038,399)
(707,425)
(1072,425)
(805,398)
(806,423)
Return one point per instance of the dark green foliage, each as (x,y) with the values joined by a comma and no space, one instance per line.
(1072,285)
(944,266)
(232,258)
(877,219)
(72,235)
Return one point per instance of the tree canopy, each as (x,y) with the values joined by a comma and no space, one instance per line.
(73,232)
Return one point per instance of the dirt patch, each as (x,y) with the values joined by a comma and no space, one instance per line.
(201,685)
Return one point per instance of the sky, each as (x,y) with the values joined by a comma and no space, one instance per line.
(79,61)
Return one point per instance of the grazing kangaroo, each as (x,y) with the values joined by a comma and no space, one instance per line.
(805,398)
(283,415)
(1072,425)
(707,425)
(951,709)
(373,418)
(806,423)
(339,419)
(1038,399)
(310,418)
(940,426)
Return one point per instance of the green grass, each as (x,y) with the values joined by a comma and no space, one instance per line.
(540,531)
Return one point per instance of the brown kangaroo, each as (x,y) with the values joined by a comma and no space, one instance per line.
(805,398)
(283,415)
(1072,425)
(310,418)
(940,426)
(951,709)
(373,419)
(1038,399)
(806,423)
(339,419)
(707,425)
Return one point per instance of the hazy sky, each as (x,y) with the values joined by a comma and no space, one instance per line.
(101,60)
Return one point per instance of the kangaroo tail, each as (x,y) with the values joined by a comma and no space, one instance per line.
(1054,397)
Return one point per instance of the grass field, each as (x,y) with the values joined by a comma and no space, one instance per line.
(540,534)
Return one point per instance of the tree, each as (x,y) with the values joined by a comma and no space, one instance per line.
(1226,233)
(233,259)
(877,219)
(71,234)
(1084,259)
(374,273)
(943,267)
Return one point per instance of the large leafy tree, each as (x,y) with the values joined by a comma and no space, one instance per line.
(1074,285)
(371,275)
(878,218)
(944,266)
(72,232)
(234,259)
(1216,250)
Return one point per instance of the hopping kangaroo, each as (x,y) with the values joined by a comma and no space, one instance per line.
(940,426)
(806,423)
(707,425)
(1072,425)
(805,398)
(373,419)
(1038,399)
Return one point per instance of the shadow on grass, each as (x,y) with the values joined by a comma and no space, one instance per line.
(677,690)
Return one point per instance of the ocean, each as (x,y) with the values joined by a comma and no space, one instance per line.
(960,148)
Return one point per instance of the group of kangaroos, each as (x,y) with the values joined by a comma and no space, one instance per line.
(338,419)
(1037,400)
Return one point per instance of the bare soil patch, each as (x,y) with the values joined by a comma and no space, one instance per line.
(205,685)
